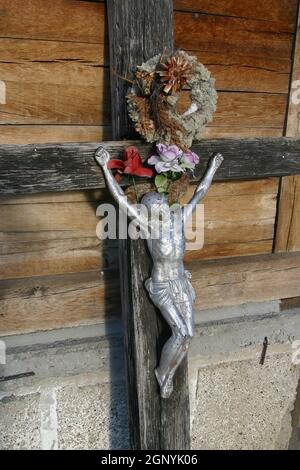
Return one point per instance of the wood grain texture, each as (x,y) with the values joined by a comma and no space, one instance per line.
(247,72)
(49,302)
(250,110)
(36,303)
(144,38)
(288,223)
(37,51)
(139,29)
(233,36)
(248,279)
(281,12)
(38,134)
(42,168)
(239,219)
(70,20)
(55,93)
(55,233)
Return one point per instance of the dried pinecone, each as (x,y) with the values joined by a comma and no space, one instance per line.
(175,72)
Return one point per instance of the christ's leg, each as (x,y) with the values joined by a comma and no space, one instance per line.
(176,347)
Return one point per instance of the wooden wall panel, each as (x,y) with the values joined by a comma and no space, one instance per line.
(251,279)
(38,134)
(53,93)
(52,63)
(49,302)
(247,46)
(53,59)
(56,234)
(233,36)
(281,12)
(288,224)
(69,20)
(239,219)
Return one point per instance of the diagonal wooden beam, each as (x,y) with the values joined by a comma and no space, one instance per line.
(26,169)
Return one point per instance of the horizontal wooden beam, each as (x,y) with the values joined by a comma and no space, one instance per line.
(47,302)
(26,169)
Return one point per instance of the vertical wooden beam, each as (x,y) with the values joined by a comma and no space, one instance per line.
(139,29)
(288,221)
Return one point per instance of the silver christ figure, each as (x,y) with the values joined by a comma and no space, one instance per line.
(169,286)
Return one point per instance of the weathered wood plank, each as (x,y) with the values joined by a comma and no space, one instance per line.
(250,109)
(282,12)
(34,51)
(288,224)
(248,279)
(225,132)
(49,302)
(139,29)
(86,101)
(61,167)
(55,93)
(56,20)
(201,32)
(246,72)
(55,233)
(39,134)
(37,303)
(239,219)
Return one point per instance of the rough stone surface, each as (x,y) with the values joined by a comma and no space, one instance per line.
(77,398)
(92,417)
(243,405)
(20,423)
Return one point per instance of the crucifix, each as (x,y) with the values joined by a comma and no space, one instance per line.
(159,415)
(169,286)
(138,30)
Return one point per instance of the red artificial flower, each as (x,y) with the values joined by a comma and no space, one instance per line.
(131,165)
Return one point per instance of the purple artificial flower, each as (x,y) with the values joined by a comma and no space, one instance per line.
(167,158)
(189,160)
(168,153)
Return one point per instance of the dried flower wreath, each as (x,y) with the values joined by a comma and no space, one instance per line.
(171,100)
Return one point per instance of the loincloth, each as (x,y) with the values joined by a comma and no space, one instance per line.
(178,290)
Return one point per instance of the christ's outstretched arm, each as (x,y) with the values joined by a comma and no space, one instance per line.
(203,186)
(102,157)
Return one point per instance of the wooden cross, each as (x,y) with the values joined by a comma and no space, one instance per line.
(139,29)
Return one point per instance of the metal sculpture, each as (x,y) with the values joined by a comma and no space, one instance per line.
(169,286)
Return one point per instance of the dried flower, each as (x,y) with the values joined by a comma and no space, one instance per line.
(145,126)
(145,81)
(175,72)
(178,188)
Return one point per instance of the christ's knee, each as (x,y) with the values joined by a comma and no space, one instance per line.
(185,338)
